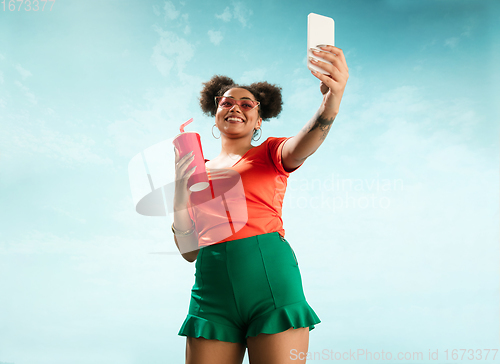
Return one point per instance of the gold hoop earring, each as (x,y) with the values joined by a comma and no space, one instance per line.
(257,132)
(214,134)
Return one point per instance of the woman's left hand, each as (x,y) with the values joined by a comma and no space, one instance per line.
(332,86)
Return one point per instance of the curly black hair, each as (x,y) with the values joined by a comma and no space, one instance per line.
(267,94)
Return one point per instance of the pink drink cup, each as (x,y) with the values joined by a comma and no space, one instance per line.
(185,143)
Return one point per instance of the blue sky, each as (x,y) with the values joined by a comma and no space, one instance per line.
(394,220)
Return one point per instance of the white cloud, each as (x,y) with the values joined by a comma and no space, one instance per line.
(467,31)
(166,109)
(428,45)
(171,51)
(128,135)
(34,139)
(255,75)
(23,72)
(452,42)
(453,158)
(170,12)
(2,57)
(215,36)
(226,15)
(239,12)
(29,95)
(305,95)
(164,64)
(175,19)
(1,77)
(156,10)
(406,129)
(187,28)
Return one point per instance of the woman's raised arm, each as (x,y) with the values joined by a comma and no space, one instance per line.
(312,135)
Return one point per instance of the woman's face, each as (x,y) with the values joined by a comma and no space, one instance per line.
(234,122)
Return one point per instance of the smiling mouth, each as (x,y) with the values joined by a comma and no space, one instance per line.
(234,120)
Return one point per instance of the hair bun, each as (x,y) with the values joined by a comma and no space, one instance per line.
(270,98)
(212,89)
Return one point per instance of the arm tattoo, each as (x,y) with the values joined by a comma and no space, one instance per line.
(320,123)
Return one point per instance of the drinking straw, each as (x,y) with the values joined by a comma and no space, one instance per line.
(183,125)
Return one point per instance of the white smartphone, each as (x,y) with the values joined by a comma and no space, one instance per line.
(320,31)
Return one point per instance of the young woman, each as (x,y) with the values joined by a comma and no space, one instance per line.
(248,289)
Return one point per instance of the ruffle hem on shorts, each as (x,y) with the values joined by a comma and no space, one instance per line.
(295,315)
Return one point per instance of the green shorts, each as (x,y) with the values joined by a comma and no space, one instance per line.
(246,287)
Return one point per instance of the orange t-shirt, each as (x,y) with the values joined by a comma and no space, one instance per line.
(244,200)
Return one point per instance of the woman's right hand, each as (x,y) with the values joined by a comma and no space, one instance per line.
(181,177)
